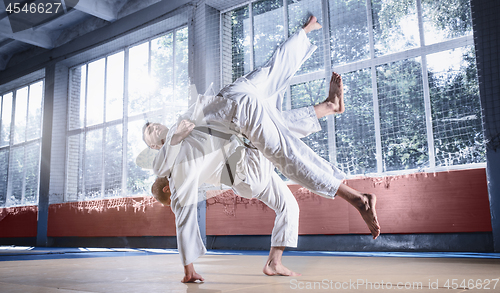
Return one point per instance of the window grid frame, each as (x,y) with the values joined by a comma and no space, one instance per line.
(426,90)
(371,63)
(124,120)
(25,143)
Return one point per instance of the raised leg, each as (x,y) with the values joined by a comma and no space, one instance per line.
(275,75)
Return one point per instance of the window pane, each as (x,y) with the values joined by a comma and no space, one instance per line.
(349,39)
(16,176)
(402,115)
(113,161)
(181,76)
(444,20)
(240,42)
(6,119)
(139,181)
(1,104)
(158,85)
(74,168)
(114,86)
(95,95)
(77,89)
(307,94)
(395,26)
(456,110)
(20,118)
(35,111)
(138,80)
(298,13)
(4,162)
(162,73)
(93,164)
(268,29)
(355,130)
(32,169)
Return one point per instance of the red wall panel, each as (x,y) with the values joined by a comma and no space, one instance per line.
(18,221)
(138,216)
(455,201)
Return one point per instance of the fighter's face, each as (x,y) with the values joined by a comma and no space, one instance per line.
(155,135)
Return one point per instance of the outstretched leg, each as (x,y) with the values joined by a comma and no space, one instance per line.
(276,74)
(264,127)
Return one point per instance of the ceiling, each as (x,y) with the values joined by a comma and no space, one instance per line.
(25,34)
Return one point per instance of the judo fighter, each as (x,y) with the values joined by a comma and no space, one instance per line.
(209,136)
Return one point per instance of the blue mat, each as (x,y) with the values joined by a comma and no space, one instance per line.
(15,253)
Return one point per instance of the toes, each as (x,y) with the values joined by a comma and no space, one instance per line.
(311,19)
(337,78)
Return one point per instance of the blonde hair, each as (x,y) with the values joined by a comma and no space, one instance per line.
(157,191)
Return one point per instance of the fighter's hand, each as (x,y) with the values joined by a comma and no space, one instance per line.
(190,275)
(191,278)
(183,130)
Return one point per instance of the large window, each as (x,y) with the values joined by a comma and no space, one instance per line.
(410,78)
(110,100)
(20,141)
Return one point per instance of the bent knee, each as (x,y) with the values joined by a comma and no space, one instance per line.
(258,183)
(289,206)
(259,187)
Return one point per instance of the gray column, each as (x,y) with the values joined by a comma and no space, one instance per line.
(43,194)
(486,39)
(204,67)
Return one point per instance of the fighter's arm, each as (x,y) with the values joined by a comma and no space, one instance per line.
(189,242)
(302,121)
(167,155)
(184,183)
(183,130)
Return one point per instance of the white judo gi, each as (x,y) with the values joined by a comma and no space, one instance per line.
(250,107)
(201,158)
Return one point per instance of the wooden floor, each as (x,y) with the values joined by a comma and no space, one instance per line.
(133,270)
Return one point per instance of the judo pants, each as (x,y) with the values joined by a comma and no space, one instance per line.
(256,179)
(251,107)
(253,103)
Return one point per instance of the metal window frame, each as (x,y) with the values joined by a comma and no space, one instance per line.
(371,63)
(22,144)
(124,120)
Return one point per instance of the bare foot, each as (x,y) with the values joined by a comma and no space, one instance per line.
(277,269)
(367,211)
(312,24)
(190,275)
(192,278)
(336,94)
